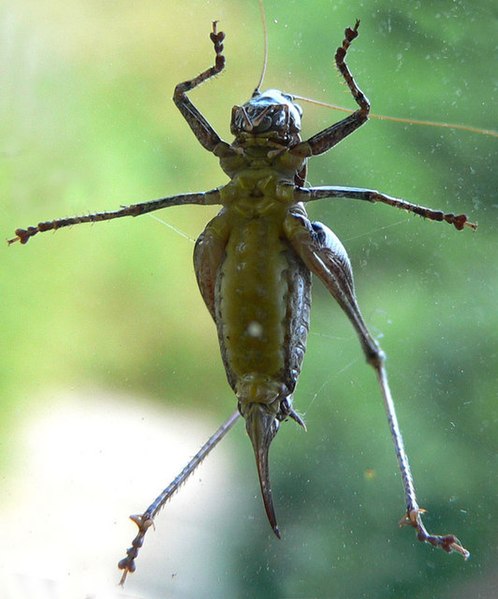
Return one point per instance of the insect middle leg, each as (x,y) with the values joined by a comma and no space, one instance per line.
(203,198)
(459,221)
(325,256)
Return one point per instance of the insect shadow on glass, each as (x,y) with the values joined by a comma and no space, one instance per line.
(253,264)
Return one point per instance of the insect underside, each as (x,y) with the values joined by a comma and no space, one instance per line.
(253,264)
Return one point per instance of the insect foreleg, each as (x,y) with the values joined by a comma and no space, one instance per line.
(203,131)
(459,221)
(203,198)
(328,138)
(325,256)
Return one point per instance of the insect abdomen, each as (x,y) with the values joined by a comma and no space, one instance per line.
(262,311)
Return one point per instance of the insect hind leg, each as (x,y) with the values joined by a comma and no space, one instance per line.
(326,257)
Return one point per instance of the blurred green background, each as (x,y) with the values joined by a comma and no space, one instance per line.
(107,318)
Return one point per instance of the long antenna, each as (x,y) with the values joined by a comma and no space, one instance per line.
(382,117)
(262,14)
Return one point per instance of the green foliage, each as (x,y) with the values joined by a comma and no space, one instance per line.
(86,86)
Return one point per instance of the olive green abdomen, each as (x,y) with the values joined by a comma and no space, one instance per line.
(253,292)
(262,322)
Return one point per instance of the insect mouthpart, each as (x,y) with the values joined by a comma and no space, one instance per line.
(267,112)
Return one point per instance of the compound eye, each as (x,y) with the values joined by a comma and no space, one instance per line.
(279,120)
